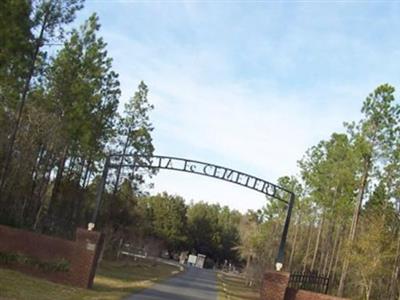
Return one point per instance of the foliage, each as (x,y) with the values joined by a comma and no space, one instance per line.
(346,219)
(213,231)
(61,265)
(167,215)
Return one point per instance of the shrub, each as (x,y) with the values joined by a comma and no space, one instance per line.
(61,265)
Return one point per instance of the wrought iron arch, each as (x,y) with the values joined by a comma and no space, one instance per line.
(205,169)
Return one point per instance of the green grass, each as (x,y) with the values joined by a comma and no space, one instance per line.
(233,287)
(113,280)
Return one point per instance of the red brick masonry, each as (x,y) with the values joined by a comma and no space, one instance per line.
(293,294)
(275,287)
(82,253)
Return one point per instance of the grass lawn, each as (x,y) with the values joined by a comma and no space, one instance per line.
(113,280)
(236,288)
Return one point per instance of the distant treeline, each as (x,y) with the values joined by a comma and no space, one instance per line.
(346,221)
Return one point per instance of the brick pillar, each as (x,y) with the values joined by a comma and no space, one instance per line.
(274,285)
(83,235)
(93,242)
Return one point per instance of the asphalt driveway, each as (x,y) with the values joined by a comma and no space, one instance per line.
(193,284)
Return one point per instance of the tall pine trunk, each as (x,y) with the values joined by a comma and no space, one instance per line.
(334,251)
(24,96)
(308,248)
(57,182)
(356,215)
(121,163)
(294,242)
(321,225)
(394,283)
(33,177)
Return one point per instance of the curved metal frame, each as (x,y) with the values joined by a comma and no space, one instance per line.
(205,169)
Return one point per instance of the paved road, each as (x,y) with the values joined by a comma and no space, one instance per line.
(193,284)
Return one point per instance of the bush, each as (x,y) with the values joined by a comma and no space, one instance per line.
(61,265)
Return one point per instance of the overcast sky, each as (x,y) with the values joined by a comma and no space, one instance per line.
(249,85)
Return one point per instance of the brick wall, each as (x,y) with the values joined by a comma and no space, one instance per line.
(82,253)
(275,287)
(293,294)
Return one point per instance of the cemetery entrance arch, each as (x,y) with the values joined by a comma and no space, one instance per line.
(117,161)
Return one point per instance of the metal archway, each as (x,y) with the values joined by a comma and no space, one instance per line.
(205,169)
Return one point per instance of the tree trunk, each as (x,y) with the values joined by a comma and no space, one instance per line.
(334,251)
(368,290)
(394,283)
(34,175)
(86,177)
(336,261)
(248,260)
(71,166)
(307,249)
(356,215)
(39,207)
(326,262)
(294,242)
(317,242)
(57,181)
(121,163)
(24,95)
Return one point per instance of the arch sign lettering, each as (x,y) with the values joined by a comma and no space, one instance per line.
(205,169)
(218,172)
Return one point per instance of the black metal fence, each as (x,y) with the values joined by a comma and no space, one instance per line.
(310,281)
